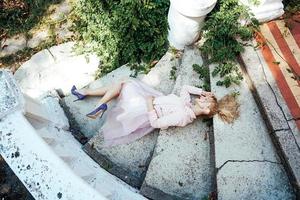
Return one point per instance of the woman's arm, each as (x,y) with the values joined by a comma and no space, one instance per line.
(165,121)
(186,90)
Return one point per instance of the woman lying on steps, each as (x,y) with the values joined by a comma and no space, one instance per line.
(140,109)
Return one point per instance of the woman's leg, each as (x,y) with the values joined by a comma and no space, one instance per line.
(95,92)
(102,90)
(110,93)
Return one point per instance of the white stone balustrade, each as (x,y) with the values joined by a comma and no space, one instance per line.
(265,10)
(47,159)
(186,18)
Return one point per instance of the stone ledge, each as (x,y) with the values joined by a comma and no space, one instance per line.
(285,135)
(291,154)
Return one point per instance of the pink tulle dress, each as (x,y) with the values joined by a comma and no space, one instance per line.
(128,120)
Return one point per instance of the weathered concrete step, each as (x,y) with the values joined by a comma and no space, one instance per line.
(246,160)
(130,161)
(56,68)
(275,111)
(69,150)
(180,167)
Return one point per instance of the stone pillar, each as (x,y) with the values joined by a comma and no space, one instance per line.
(186,20)
(265,10)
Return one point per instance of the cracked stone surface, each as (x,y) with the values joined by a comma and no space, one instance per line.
(248,133)
(259,73)
(129,161)
(246,139)
(253,180)
(56,68)
(275,109)
(180,167)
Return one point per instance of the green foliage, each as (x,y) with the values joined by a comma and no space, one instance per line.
(173,74)
(19,16)
(122,31)
(203,72)
(139,68)
(292,6)
(224,35)
(229,72)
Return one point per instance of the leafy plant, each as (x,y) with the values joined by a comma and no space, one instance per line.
(292,6)
(122,31)
(224,31)
(203,72)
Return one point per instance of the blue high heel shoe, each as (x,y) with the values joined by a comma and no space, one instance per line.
(101,109)
(77,94)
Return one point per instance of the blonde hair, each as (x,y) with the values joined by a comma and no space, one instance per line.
(227,108)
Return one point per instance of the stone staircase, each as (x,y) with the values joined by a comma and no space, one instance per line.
(199,161)
(194,162)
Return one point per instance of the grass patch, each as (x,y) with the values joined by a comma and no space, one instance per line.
(19,16)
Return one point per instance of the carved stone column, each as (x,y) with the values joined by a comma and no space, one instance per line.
(265,10)
(186,20)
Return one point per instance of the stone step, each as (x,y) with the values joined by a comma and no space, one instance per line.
(275,109)
(56,114)
(70,151)
(180,167)
(246,161)
(130,161)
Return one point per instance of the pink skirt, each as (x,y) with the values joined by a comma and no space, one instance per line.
(128,120)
